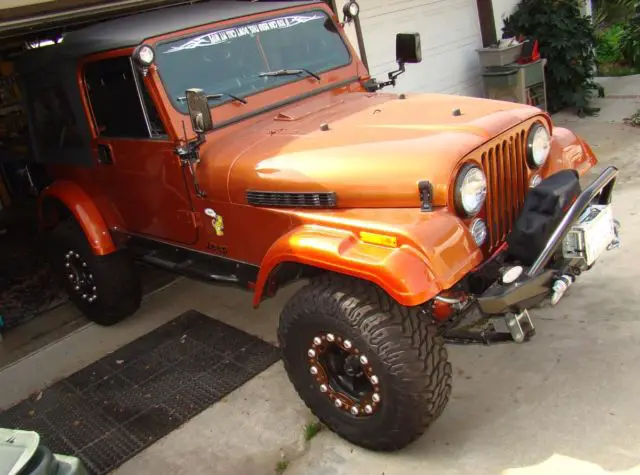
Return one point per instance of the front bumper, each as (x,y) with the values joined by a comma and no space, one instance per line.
(505,305)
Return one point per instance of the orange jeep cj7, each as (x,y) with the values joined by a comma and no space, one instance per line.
(245,143)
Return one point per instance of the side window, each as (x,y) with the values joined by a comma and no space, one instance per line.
(117,107)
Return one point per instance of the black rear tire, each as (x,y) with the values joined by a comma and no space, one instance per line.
(115,282)
(402,347)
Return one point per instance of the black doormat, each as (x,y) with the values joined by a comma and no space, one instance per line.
(109,411)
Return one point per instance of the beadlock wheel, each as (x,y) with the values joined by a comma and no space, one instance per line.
(82,283)
(344,375)
(105,288)
(374,372)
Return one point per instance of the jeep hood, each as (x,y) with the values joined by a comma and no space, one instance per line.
(371,150)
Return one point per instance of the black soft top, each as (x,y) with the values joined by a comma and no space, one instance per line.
(132,30)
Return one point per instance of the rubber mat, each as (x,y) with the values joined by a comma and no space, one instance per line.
(114,408)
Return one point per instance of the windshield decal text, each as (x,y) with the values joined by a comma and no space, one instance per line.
(217,37)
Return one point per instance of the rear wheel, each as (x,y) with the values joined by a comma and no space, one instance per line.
(105,288)
(374,372)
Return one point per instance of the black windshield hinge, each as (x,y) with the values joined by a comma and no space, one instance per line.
(425,189)
(189,158)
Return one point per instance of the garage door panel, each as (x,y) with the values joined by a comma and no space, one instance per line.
(450,34)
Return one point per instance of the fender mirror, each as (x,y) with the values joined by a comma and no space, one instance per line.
(408,48)
(199,111)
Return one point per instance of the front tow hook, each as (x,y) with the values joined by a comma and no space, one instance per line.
(560,286)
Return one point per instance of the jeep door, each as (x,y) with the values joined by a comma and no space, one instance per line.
(138,165)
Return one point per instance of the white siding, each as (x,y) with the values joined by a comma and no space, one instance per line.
(449,32)
(502,9)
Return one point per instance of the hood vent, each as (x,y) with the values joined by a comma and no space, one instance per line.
(292,200)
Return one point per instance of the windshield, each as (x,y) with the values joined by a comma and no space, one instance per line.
(233,60)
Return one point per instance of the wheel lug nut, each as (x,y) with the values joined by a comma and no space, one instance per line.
(355,411)
(317,341)
(375,397)
(374,379)
(67,265)
(364,360)
(84,296)
(347,344)
(76,288)
(324,388)
(313,370)
(70,276)
(311,353)
(368,409)
(331,337)
(84,264)
(338,403)
(77,256)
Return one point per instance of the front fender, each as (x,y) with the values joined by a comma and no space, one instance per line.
(570,152)
(86,213)
(405,272)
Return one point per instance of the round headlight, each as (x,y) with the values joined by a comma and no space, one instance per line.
(144,55)
(479,231)
(538,146)
(471,190)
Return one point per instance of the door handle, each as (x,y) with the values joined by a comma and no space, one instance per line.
(105,154)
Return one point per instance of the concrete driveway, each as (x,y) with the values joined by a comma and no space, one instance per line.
(564,403)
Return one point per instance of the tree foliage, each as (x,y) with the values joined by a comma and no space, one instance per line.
(567,41)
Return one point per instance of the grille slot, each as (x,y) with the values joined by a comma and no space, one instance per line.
(506,169)
(292,199)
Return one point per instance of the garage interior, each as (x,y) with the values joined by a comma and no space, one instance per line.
(27,288)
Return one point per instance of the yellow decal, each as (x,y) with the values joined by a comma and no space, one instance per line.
(218,225)
(217,222)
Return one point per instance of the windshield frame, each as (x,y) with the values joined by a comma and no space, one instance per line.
(239,22)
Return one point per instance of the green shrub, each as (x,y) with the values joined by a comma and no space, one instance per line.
(630,43)
(609,45)
(567,40)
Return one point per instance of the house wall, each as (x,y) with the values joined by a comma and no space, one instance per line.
(502,9)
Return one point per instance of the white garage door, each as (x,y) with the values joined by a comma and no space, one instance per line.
(450,34)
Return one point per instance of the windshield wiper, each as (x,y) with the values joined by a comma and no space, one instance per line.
(215,97)
(289,72)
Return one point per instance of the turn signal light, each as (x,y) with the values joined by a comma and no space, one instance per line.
(379,239)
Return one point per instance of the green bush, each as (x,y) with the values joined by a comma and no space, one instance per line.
(630,44)
(609,45)
(567,40)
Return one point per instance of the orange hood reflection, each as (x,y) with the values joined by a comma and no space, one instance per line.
(373,152)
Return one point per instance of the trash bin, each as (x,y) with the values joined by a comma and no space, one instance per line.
(503,84)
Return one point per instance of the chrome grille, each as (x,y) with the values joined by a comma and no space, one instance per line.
(505,165)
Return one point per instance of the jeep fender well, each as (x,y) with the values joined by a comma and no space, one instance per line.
(84,210)
(403,272)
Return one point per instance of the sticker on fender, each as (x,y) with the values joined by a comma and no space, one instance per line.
(217,222)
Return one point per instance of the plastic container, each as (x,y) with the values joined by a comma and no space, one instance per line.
(533,73)
(492,57)
(22,454)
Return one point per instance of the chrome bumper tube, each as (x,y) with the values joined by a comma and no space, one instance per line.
(535,283)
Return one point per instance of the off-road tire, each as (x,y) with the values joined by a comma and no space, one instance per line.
(403,348)
(118,287)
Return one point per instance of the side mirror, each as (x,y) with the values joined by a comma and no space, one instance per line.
(199,111)
(408,48)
